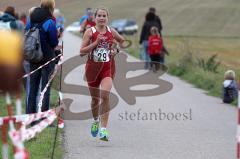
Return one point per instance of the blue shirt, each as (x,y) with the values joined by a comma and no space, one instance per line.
(83,19)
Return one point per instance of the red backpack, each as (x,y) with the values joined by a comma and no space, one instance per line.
(155,45)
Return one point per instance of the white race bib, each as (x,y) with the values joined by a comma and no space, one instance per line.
(101,55)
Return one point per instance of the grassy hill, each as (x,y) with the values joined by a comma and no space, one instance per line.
(179,17)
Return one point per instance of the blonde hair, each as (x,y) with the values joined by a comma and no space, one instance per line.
(229,74)
(101,8)
(154,30)
(48,4)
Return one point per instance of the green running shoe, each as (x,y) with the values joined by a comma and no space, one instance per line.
(94,128)
(103,135)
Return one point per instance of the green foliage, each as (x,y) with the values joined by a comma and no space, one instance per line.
(201,72)
(210,64)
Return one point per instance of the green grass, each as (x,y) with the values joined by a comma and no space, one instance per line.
(225,48)
(41,146)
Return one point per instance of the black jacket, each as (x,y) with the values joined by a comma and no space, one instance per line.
(146,30)
(158,20)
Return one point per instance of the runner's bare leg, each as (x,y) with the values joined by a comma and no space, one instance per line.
(95,94)
(106,86)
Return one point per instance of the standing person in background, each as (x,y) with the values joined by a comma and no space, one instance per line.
(149,22)
(60,20)
(154,48)
(20,24)
(88,23)
(23,18)
(84,17)
(8,20)
(42,17)
(157,19)
(100,68)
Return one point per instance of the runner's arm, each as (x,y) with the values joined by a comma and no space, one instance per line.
(87,47)
(119,38)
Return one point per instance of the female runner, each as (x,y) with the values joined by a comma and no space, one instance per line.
(100,68)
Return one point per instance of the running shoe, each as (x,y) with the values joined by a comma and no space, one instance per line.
(94,128)
(103,135)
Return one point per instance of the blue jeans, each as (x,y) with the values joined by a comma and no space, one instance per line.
(42,76)
(26,67)
(146,57)
(141,53)
(162,59)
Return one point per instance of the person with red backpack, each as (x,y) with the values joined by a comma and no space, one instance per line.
(155,45)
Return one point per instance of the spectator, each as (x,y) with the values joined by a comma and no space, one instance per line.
(84,17)
(157,19)
(8,20)
(60,20)
(23,18)
(88,23)
(230,87)
(20,24)
(42,17)
(149,22)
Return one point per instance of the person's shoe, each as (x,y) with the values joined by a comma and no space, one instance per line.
(103,134)
(94,128)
